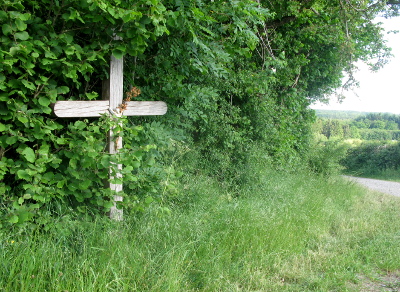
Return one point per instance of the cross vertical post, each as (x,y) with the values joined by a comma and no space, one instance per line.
(113,90)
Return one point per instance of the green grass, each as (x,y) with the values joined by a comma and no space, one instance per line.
(277,232)
(389,175)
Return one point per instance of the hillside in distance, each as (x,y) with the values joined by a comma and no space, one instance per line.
(339,114)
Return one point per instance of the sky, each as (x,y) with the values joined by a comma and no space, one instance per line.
(378,91)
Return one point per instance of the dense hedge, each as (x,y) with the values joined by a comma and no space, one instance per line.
(53,51)
(373,157)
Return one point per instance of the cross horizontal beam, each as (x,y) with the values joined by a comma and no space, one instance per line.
(94,108)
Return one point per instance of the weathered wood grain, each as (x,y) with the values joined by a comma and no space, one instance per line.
(113,91)
(145,108)
(80,109)
(94,108)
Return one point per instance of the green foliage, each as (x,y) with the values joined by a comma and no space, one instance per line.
(232,72)
(50,51)
(324,157)
(372,157)
(378,121)
(376,155)
(335,129)
(220,92)
(367,127)
(75,171)
(379,134)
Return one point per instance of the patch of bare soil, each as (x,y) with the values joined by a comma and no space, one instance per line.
(380,283)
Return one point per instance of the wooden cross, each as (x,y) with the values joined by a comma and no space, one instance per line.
(113,98)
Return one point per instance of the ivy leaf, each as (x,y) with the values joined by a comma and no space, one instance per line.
(108,204)
(3,15)
(53,94)
(135,164)
(28,84)
(44,101)
(11,140)
(85,184)
(80,125)
(24,16)
(151,161)
(13,219)
(29,154)
(23,174)
(117,53)
(149,200)
(39,198)
(46,61)
(105,161)
(20,24)
(61,141)
(62,90)
(50,55)
(23,119)
(70,50)
(61,184)
(92,95)
(24,216)
(23,36)
(6,28)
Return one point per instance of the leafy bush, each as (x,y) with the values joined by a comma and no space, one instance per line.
(324,157)
(50,51)
(373,157)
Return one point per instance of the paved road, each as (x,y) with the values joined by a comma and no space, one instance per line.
(388,187)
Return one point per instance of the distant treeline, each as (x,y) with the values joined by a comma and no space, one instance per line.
(369,126)
(378,154)
(339,115)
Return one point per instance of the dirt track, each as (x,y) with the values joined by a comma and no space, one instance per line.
(388,187)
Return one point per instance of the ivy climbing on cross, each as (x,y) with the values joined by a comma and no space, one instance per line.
(112,104)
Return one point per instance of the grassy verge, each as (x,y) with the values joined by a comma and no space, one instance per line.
(278,232)
(389,175)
